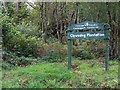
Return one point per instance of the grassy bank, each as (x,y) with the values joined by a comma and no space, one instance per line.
(84,74)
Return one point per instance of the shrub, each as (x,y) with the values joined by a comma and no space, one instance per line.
(53,56)
(52,52)
(6,24)
(21,39)
(11,59)
(22,44)
(82,53)
(28,28)
(87,55)
(5,65)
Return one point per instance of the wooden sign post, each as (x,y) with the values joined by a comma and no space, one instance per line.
(94,31)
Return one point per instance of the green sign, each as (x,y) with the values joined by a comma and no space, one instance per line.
(87,35)
(94,31)
(88,26)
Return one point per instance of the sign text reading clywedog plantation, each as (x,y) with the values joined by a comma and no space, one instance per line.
(94,31)
(86,35)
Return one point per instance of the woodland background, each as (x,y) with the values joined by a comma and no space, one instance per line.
(33,33)
(49,20)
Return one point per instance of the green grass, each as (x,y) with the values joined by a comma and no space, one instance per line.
(86,74)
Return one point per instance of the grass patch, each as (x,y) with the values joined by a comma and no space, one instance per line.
(37,76)
(85,74)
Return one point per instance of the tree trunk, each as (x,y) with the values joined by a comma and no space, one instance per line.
(17,8)
(57,22)
(112,31)
(45,24)
(41,19)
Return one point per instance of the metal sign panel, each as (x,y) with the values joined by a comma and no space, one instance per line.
(87,26)
(87,35)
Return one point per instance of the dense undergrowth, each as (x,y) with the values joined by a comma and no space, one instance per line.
(52,52)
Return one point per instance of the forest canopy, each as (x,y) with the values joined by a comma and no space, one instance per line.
(30,23)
